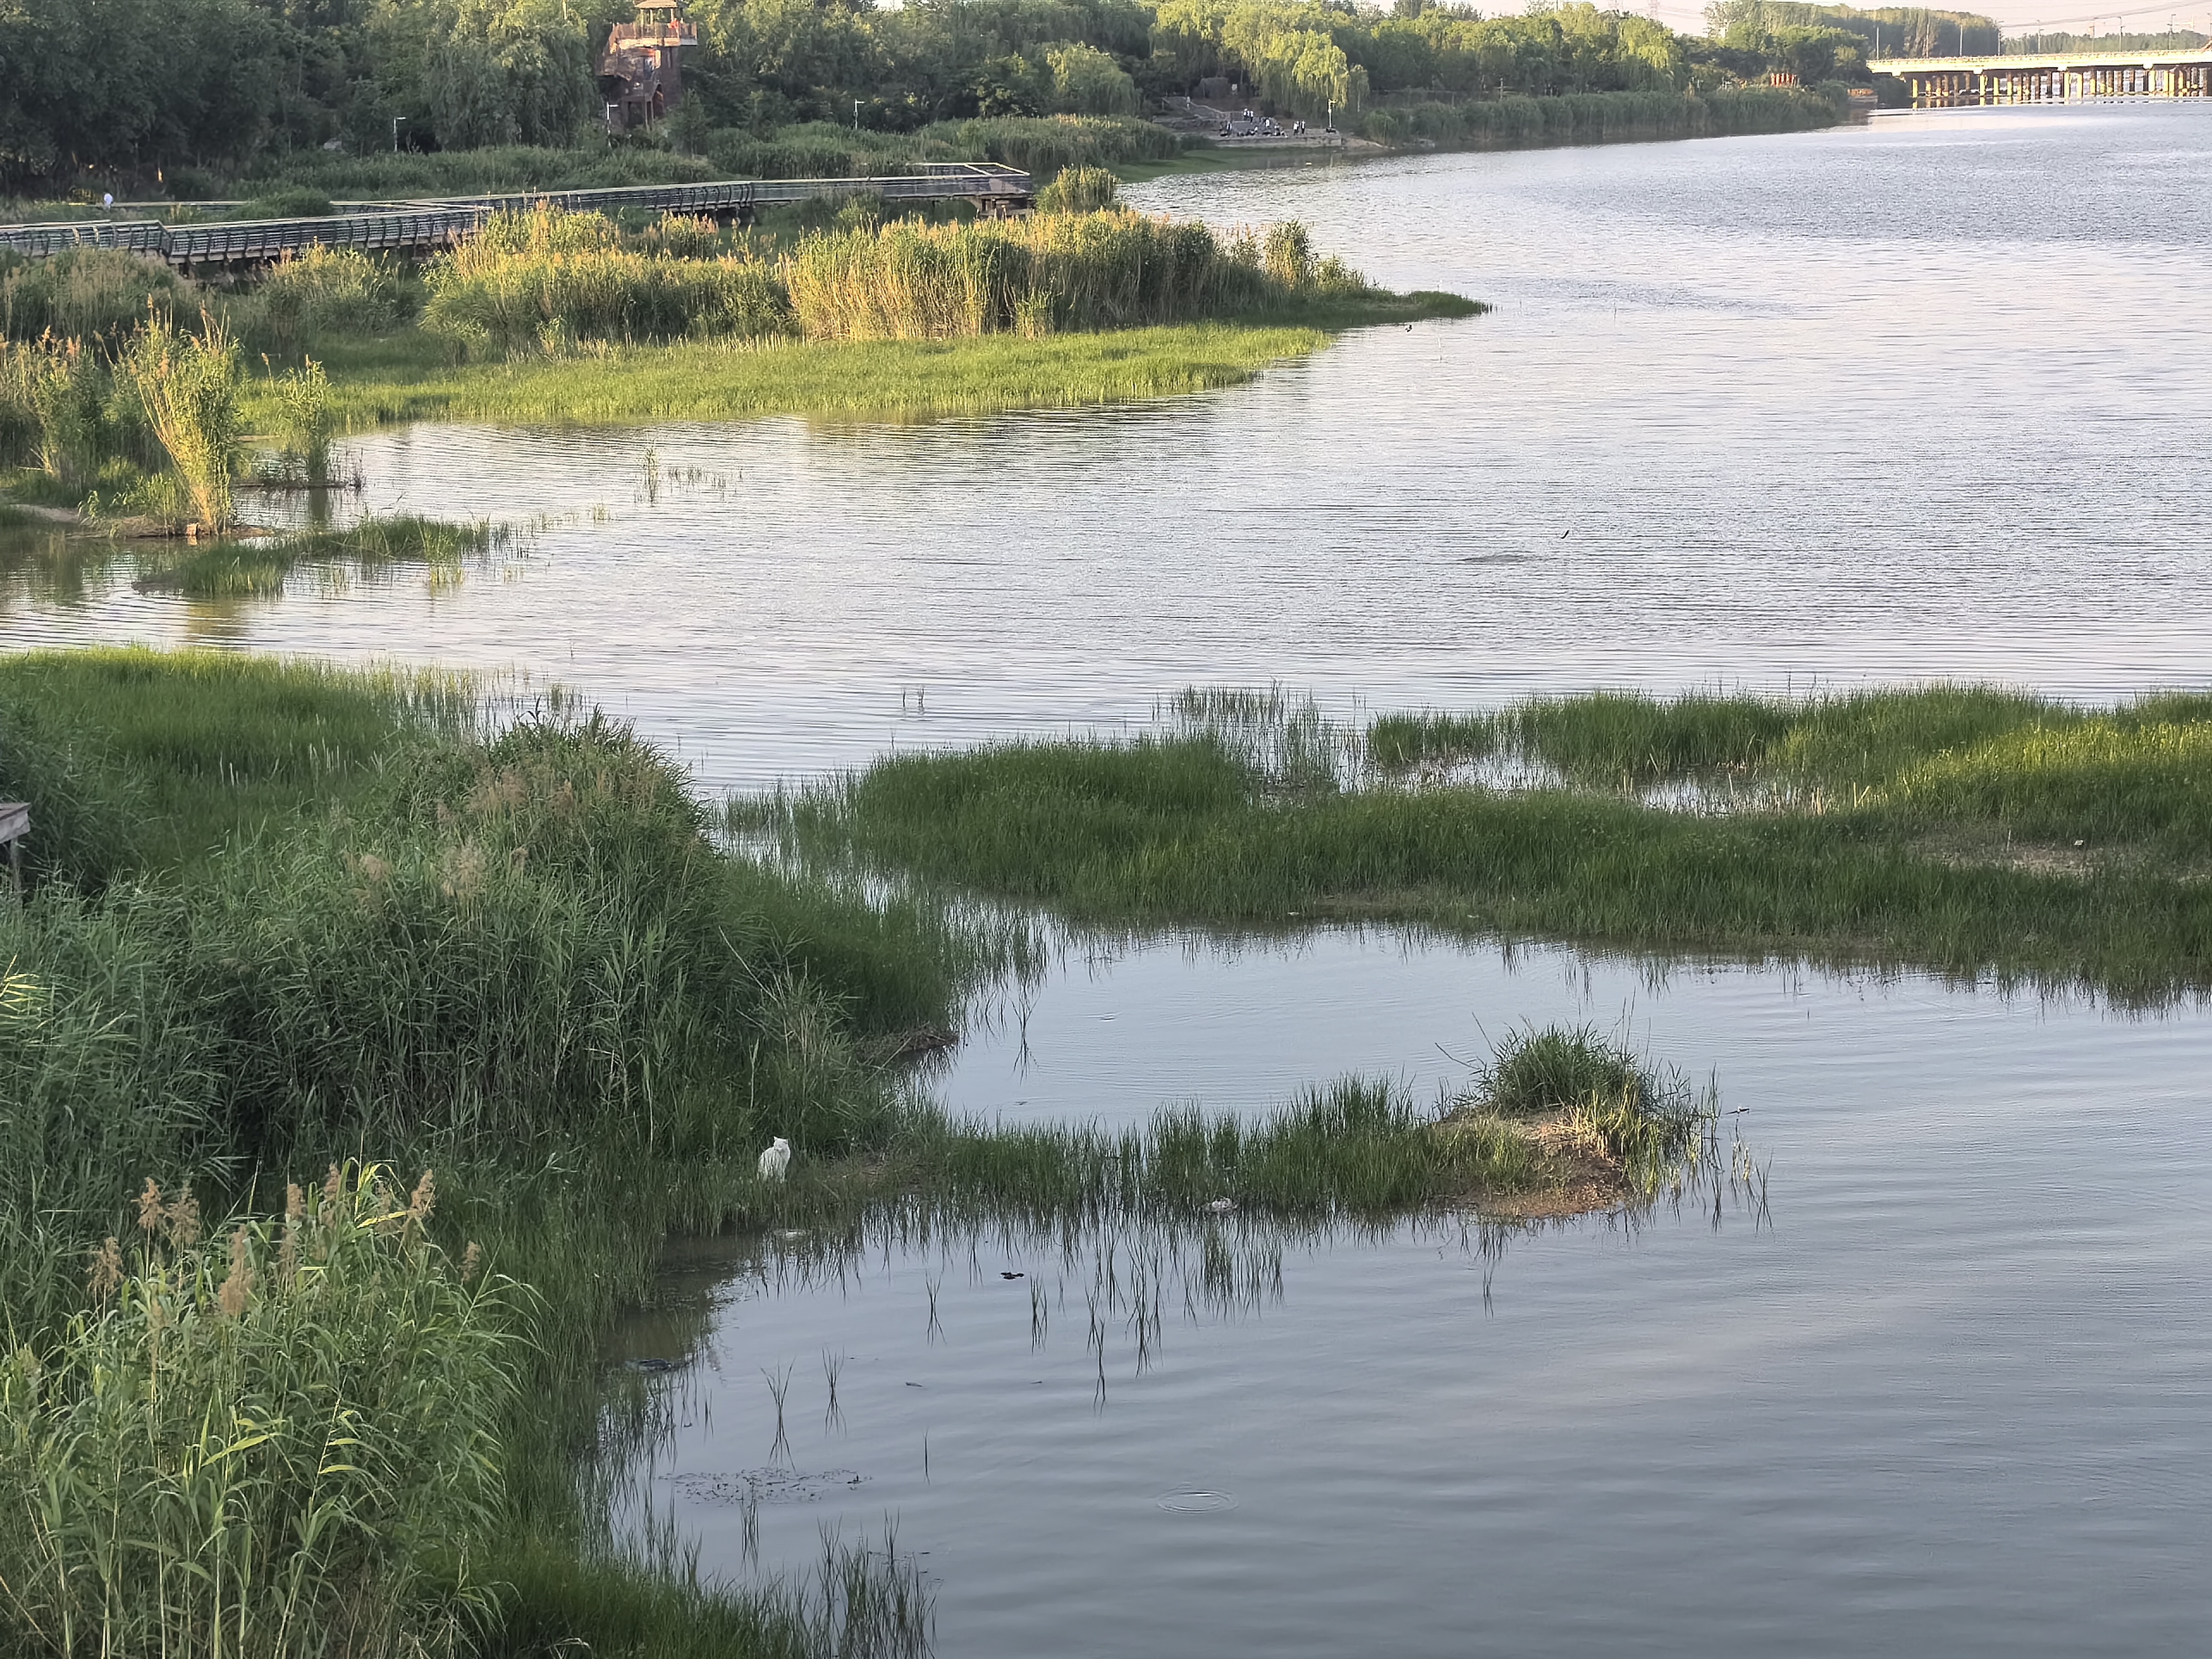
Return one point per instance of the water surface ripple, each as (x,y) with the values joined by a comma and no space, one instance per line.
(1910,400)
(1953,1401)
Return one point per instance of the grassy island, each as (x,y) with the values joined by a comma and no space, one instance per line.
(1971,831)
(361,1047)
(132,392)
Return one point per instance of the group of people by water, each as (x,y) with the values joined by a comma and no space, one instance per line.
(1262,126)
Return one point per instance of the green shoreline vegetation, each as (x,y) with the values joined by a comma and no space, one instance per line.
(1970,831)
(111,399)
(363,1044)
(894,378)
(179,102)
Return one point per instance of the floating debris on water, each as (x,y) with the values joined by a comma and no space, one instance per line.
(764,1485)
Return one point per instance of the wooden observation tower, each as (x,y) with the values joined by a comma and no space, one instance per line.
(640,75)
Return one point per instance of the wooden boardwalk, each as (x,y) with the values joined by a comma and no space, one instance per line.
(424,226)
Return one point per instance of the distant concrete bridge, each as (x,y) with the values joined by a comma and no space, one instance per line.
(2055,78)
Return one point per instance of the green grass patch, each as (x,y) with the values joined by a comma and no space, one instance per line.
(708,380)
(1963,830)
(139,760)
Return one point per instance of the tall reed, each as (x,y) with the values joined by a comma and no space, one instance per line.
(279,1442)
(552,279)
(320,293)
(92,294)
(190,385)
(55,392)
(1060,270)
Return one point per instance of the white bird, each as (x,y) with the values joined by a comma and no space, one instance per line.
(775,1160)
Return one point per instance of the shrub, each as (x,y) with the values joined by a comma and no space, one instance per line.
(278,1443)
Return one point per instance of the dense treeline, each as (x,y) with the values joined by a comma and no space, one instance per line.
(148,86)
(2058,40)
(181,94)
(1890,31)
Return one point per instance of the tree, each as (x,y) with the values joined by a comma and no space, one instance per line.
(1088,81)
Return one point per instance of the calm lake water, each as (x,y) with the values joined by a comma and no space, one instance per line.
(1917,399)
(1914,399)
(1953,1399)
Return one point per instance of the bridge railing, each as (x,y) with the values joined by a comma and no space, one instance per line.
(417,226)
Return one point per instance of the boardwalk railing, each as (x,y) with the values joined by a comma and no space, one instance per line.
(426,226)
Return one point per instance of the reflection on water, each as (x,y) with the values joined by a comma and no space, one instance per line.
(1891,403)
(1951,1401)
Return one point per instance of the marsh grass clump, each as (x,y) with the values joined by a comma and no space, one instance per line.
(1054,272)
(281,1440)
(556,281)
(304,396)
(1946,760)
(1108,268)
(261,566)
(197,747)
(1514,120)
(1357,1149)
(1534,1070)
(1968,830)
(1604,739)
(1286,740)
(859,1601)
(68,414)
(58,392)
(1602,1124)
(88,807)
